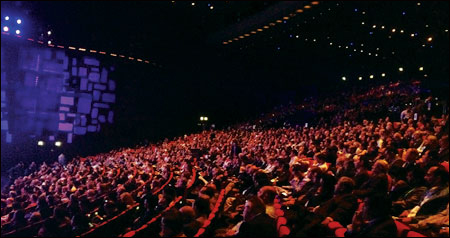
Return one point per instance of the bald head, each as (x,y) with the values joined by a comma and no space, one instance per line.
(187,212)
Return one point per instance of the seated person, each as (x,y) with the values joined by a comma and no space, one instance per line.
(435,225)
(411,198)
(340,208)
(190,225)
(267,195)
(202,208)
(377,183)
(172,224)
(256,222)
(374,220)
(435,198)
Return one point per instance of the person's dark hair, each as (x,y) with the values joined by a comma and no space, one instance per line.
(442,173)
(169,193)
(201,205)
(321,156)
(172,219)
(347,184)
(365,160)
(418,175)
(316,170)
(261,179)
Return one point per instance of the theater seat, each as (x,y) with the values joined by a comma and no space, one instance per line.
(200,232)
(334,225)
(281,221)
(284,231)
(129,234)
(340,232)
(277,206)
(206,223)
(279,213)
(414,234)
(402,229)
(445,164)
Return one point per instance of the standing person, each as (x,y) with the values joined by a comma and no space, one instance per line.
(235,149)
(62,159)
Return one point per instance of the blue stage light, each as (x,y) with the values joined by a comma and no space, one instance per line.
(7,18)
(5,28)
(19,21)
(17,32)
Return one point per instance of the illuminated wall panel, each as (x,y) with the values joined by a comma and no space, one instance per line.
(56,94)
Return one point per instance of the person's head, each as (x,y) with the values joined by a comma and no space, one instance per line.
(415,177)
(380,167)
(411,155)
(431,142)
(437,175)
(168,195)
(171,223)
(362,162)
(267,194)
(126,198)
(261,179)
(181,182)
(315,174)
(188,214)
(319,157)
(253,207)
(344,185)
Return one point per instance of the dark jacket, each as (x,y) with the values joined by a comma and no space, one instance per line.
(381,227)
(377,184)
(341,208)
(260,226)
(437,201)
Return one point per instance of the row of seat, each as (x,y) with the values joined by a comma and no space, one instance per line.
(281,220)
(402,230)
(128,211)
(215,210)
(144,227)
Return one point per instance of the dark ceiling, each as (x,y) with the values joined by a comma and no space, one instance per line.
(304,55)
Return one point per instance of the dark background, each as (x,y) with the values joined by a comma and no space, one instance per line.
(195,74)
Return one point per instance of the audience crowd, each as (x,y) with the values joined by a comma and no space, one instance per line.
(367,160)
